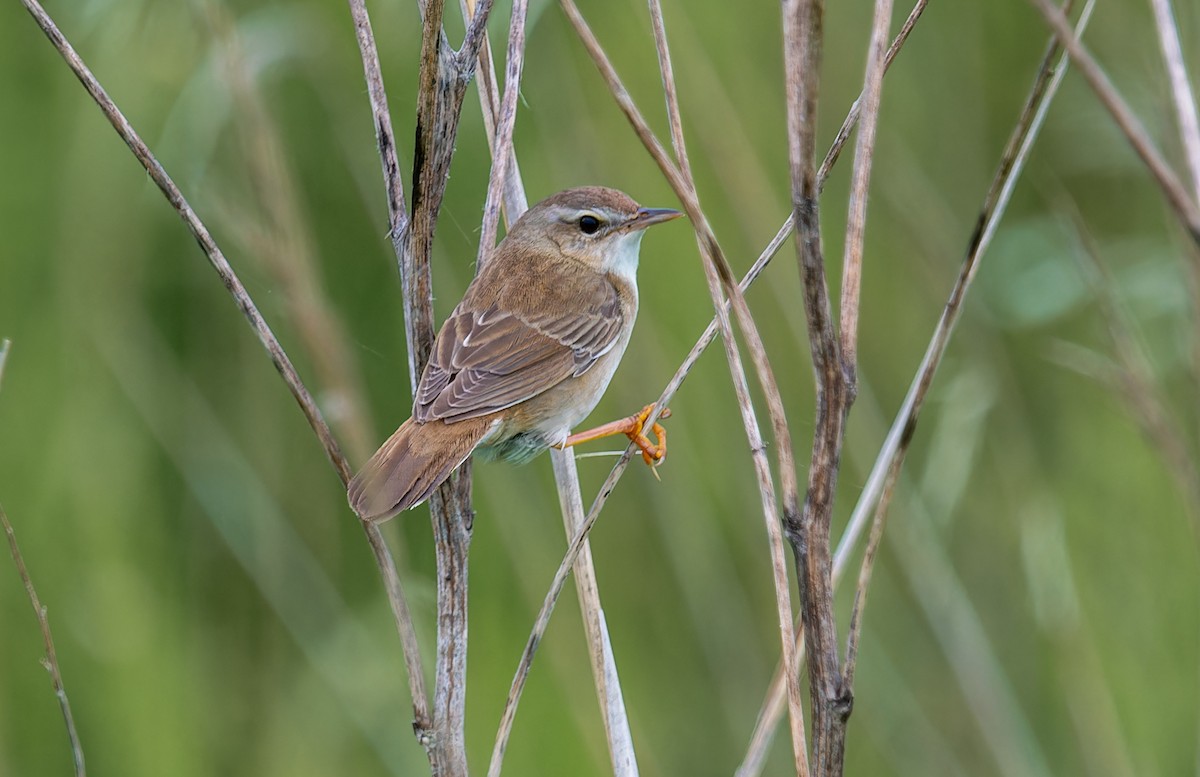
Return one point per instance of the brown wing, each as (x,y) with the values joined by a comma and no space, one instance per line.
(491,359)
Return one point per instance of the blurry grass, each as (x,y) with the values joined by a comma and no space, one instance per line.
(215,610)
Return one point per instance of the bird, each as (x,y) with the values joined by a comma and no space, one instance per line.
(528,352)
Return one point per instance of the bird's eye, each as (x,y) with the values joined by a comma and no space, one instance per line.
(589,224)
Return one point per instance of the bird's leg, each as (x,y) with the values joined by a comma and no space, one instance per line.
(632,427)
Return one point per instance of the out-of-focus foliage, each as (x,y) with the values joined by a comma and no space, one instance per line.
(217,612)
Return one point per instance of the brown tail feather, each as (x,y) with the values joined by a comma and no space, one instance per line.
(411,464)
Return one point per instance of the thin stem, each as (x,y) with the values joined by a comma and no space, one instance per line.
(385,137)
(779,574)
(51,659)
(502,144)
(856,223)
(852,280)
(768,253)
(1181,88)
(1187,211)
(890,457)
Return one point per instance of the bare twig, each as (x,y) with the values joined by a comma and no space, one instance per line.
(852,273)
(51,659)
(887,463)
(278,357)
(856,223)
(385,138)
(779,574)
(1177,196)
(502,143)
(720,278)
(444,76)
(604,667)
(831,701)
(1181,88)
(851,120)
(50,662)
(714,257)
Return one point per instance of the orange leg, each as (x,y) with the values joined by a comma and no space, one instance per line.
(632,427)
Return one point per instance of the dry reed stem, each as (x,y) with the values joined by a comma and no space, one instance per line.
(442,83)
(385,138)
(831,702)
(514,200)
(50,662)
(1181,88)
(398,229)
(779,572)
(1187,211)
(890,457)
(864,154)
(617,730)
(279,358)
(852,267)
(502,143)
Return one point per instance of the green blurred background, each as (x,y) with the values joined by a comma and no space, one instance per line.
(1034,610)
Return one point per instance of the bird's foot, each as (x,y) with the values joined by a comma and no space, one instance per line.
(633,427)
(653,453)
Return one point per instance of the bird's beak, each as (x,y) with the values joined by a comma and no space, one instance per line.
(647,217)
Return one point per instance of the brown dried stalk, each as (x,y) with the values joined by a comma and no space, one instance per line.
(779,574)
(809,534)
(50,662)
(502,153)
(278,357)
(880,484)
(444,76)
(852,278)
(1177,196)
(856,223)
(1181,88)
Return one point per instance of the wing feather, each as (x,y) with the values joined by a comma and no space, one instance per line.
(490,358)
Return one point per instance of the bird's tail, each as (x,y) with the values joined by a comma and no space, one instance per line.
(411,464)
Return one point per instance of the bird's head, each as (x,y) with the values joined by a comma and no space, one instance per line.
(599,227)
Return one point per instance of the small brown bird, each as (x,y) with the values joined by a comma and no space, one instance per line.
(528,352)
